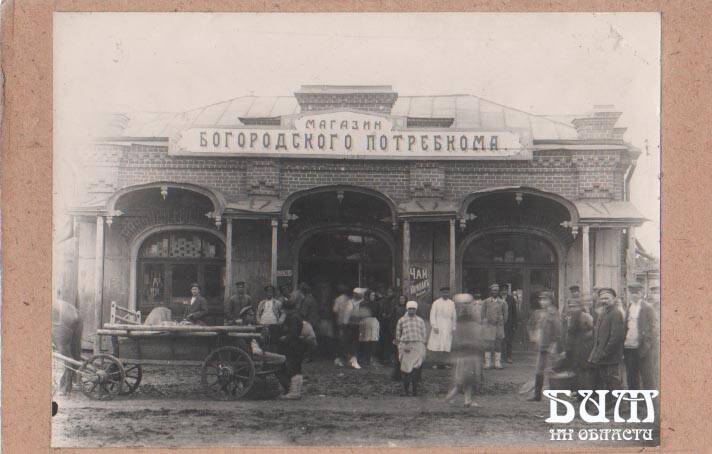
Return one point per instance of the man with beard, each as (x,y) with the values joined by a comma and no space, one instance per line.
(608,338)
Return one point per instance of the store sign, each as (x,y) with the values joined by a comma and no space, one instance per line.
(419,281)
(349,134)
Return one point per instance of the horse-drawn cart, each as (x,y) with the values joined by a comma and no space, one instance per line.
(229,363)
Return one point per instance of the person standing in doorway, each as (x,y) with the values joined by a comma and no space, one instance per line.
(640,340)
(369,328)
(387,323)
(493,327)
(410,338)
(269,314)
(548,332)
(443,321)
(347,327)
(608,338)
(510,324)
(399,311)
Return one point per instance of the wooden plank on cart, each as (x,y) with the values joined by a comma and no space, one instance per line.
(183,328)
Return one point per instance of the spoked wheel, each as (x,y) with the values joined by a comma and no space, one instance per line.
(134,373)
(228,373)
(102,377)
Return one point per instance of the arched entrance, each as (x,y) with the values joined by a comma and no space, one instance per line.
(346,255)
(522,260)
(341,235)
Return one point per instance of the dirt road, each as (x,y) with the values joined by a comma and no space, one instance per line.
(341,407)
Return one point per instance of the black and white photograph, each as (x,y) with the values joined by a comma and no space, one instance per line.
(356,229)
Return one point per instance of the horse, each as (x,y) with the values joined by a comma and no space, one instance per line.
(66,338)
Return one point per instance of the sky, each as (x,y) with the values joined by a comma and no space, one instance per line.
(542,63)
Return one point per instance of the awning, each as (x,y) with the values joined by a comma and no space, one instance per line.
(613,212)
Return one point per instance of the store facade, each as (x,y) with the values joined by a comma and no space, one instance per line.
(354,185)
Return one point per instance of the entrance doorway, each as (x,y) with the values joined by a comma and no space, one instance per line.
(354,259)
(526,264)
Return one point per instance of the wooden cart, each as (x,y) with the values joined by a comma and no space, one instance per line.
(224,353)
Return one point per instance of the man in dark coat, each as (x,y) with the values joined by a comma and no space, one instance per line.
(294,348)
(608,337)
(641,340)
(198,310)
(237,303)
(510,325)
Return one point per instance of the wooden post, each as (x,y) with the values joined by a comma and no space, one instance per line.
(98,279)
(452,256)
(228,260)
(406,258)
(273,263)
(585,262)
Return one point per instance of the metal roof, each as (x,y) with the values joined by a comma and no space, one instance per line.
(468,112)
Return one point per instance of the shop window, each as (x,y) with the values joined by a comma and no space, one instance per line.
(169,262)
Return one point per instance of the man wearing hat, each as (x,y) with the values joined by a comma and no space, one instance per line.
(495,312)
(574,298)
(410,339)
(641,340)
(269,314)
(548,331)
(443,320)
(236,303)
(198,310)
(510,322)
(608,337)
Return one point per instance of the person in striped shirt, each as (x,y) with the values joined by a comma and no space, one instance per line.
(411,337)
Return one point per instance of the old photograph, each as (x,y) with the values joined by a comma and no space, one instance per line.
(362,229)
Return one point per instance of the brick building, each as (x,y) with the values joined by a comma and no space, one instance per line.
(353,185)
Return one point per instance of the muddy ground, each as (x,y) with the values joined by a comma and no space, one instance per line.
(341,407)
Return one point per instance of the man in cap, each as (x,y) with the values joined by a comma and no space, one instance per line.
(495,309)
(198,310)
(653,297)
(510,322)
(548,332)
(236,303)
(608,337)
(309,311)
(443,320)
(269,314)
(410,339)
(641,340)
(574,297)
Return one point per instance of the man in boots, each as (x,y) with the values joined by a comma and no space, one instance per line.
(495,310)
(548,332)
(608,338)
(294,348)
(411,338)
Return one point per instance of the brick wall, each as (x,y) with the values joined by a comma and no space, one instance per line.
(574,175)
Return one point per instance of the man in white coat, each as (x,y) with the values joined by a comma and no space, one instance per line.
(443,319)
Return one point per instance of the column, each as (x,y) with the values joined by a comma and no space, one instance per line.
(98,278)
(228,259)
(273,263)
(405,280)
(452,256)
(585,262)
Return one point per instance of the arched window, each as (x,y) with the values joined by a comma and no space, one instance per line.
(168,262)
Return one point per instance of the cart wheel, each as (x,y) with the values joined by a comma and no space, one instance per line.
(134,373)
(102,377)
(228,373)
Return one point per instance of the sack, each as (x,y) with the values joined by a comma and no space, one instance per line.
(308,335)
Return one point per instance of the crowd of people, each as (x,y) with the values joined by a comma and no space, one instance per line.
(594,338)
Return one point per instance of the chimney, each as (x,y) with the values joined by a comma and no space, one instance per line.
(600,124)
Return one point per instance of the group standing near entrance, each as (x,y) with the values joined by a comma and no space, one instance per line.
(595,338)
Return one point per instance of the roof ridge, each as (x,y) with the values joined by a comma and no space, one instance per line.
(490,101)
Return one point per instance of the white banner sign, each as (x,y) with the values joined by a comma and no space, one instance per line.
(349,134)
